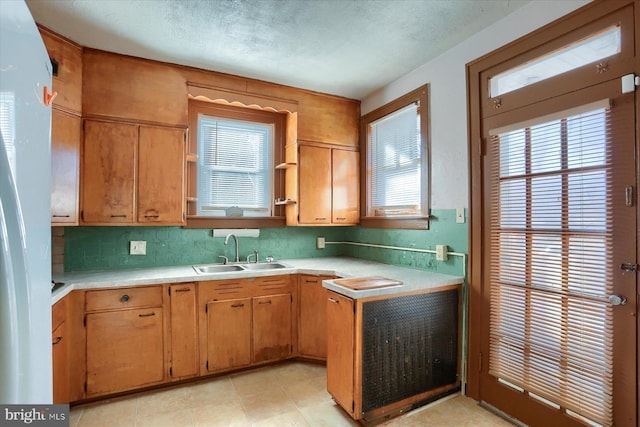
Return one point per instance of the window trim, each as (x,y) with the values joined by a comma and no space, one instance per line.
(413,222)
(277,219)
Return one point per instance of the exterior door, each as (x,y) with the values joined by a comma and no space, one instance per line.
(558,345)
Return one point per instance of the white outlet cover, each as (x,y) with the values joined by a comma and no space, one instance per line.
(460,215)
(137,247)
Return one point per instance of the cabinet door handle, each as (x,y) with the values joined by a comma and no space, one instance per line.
(264,302)
(57,341)
(311,281)
(147,314)
(340,219)
(321,219)
(152,216)
(61,216)
(125,298)
(334,300)
(183,290)
(237,305)
(118,216)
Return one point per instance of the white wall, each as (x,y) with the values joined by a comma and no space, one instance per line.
(448,98)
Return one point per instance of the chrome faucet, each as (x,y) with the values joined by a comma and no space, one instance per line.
(226,240)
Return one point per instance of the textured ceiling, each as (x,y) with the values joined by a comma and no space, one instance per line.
(343,47)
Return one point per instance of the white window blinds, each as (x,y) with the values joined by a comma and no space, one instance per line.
(551,325)
(235,163)
(394,163)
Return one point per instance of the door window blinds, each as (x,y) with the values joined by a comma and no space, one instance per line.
(551,237)
(235,162)
(394,147)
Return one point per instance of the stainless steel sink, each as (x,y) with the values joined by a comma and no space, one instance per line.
(264,266)
(216,268)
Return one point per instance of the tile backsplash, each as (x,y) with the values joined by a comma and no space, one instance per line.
(107,248)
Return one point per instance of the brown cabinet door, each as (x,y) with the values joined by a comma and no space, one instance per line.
(340,353)
(68,80)
(184,337)
(161,166)
(314,172)
(124,350)
(312,338)
(65,165)
(108,172)
(346,187)
(228,334)
(272,327)
(60,350)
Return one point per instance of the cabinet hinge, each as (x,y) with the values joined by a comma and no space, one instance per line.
(82,215)
(84,321)
(171,372)
(481,147)
(353,405)
(207,365)
(85,386)
(169,291)
(480,362)
(206,308)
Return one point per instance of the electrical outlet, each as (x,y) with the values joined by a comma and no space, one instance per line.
(441,252)
(460,215)
(137,247)
(320,242)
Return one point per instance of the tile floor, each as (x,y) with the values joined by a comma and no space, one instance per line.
(285,395)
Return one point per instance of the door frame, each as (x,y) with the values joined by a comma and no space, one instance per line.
(547,37)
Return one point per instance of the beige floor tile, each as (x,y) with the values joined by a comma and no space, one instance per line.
(300,371)
(162,401)
(121,413)
(327,415)
(259,407)
(227,414)
(74,416)
(183,418)
(250,383)
(290,419)
(307,393)
(212,392)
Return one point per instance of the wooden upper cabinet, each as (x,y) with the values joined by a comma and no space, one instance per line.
(67,77)
(328,186)
(328,119)
(108,172)
(345,167)
(161,175)
(314,197)
(65,167)
(125,87)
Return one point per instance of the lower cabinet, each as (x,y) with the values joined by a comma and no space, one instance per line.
(125,342)
(245,322)
(60,353)
(312,319)
(228,334)
(272,327)
(183,325)
(389,354)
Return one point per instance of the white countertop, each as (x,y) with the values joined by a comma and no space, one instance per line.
(412,279)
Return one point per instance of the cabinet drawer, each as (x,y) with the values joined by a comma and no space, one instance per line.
(269,285)
(58,313)
(110,299)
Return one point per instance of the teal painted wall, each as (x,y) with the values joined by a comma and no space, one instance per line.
(107,248)
(443,230)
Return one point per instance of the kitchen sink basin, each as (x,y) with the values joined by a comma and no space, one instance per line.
(216,268)
(264,266)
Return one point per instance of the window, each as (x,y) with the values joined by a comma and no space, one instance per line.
(597,46)
(395,174)
(235,167)
(232,180)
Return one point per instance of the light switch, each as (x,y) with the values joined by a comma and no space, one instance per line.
(460,215)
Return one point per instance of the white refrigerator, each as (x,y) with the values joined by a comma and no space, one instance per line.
(25,231)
